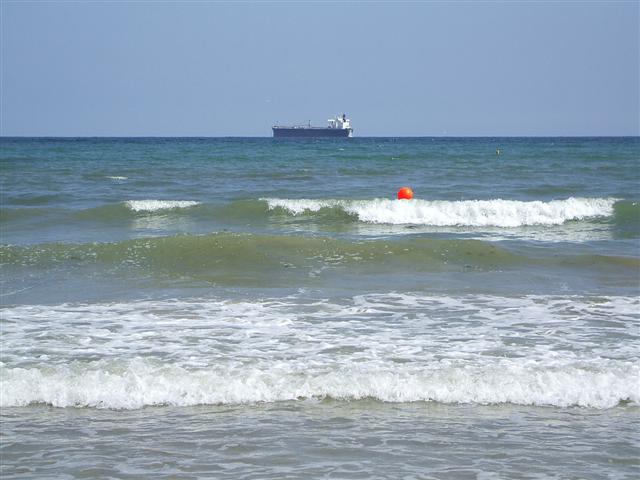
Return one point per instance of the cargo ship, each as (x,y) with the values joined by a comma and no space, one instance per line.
(339,127)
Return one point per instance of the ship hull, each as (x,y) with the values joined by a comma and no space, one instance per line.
(311,132)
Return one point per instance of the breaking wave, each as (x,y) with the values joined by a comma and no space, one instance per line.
(621,218)
(140,383)
(472,213)
(155,205)
(388,347)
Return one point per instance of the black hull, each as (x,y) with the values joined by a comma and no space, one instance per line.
(313,132)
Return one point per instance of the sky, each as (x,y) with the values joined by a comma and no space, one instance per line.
(142,68)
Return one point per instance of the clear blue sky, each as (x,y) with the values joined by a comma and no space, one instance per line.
(414,68)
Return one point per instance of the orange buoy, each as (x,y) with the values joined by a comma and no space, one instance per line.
(405,193)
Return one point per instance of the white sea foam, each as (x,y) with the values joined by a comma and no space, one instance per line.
(138,383)
(538,350)
(116,177)
(474,213)
(155,205)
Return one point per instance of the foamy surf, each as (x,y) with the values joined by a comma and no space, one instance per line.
(139,383)
(471,213)
(156,205)
(387,347)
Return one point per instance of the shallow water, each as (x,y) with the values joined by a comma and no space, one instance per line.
(327,439)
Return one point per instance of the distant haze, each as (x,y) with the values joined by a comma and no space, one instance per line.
(396,69)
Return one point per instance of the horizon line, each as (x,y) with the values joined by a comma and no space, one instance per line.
(330,138)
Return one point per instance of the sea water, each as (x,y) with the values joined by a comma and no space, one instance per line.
(260,308)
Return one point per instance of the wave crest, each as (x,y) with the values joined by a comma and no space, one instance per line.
(155,205)
(140,383)
(395,347)
(472,213)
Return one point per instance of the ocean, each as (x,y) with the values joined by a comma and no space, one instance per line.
(252,308)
